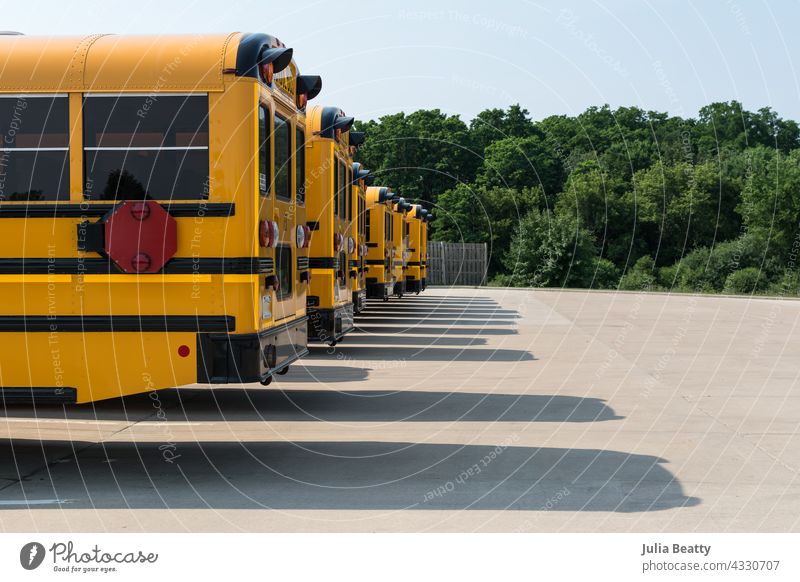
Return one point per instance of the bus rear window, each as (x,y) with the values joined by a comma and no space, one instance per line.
(138,146)
(34,152)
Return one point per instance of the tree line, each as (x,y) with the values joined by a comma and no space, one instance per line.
(610,198)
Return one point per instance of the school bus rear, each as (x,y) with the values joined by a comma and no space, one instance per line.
(135,254)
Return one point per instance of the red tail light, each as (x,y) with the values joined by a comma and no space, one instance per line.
(307,242)
(266,73)
(337,242)
(301,100)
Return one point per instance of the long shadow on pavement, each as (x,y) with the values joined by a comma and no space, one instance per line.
(359,475)
(274,404)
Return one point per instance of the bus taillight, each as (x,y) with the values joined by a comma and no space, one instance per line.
(267,71)
(301,100)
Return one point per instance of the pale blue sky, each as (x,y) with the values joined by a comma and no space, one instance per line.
(552,57)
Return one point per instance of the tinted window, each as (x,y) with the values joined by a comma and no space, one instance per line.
(349,189)
(283,156)
(154,146)
(264,168)
(335,189)
(342,191)
(34,152)
(283,260)
(366,226)
(300,161)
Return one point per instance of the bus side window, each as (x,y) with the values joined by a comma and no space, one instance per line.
(366,226)
(342,188)
(335,189)
(349,204)
(300,156)
(264,166)
(283,158)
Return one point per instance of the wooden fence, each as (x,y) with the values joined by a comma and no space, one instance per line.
(456,263)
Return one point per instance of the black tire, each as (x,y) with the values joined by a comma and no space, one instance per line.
(267,381)
(282,371)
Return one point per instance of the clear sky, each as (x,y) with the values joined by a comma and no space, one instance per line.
(464,56)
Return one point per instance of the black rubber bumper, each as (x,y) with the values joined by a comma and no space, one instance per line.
(413,285)
(378,290)
(359,301)
(241,358)
(38,395)
(326,325)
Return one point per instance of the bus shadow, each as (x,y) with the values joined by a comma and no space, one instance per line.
(274,404)
(439,331)
(403,338)
(360,475)
(421,354)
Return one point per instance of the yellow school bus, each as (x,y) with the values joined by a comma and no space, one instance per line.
(399,244)
(358,266)
(423,249)
(378,231)
(152,208)
(329,216)
(413,276)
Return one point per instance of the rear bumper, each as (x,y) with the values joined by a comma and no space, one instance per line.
(378,290)
(241,358)
(399,288)
(413,285)
(359,301)
(325,325)
(38,395)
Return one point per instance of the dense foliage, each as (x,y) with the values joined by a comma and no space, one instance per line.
(621,198)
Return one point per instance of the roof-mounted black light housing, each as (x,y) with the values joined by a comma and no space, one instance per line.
(358,173)
(385,195)
(357,138)
(280,57)
(257,51)
(310,85)
(334,122)
(428,217)
(369,179)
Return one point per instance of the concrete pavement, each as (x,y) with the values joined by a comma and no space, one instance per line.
(458,410)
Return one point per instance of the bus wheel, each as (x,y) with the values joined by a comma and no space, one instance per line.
(332,343)
(267,381)
(283,371)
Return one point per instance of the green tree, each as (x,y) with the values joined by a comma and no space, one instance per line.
(551,250)
(480,214)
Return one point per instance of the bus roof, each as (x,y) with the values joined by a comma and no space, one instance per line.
(105,62)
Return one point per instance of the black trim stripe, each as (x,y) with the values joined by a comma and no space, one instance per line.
(323,262)
(413,263)
(302,263)
(103,266)
(90,210)
(108,323)
(376,262)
